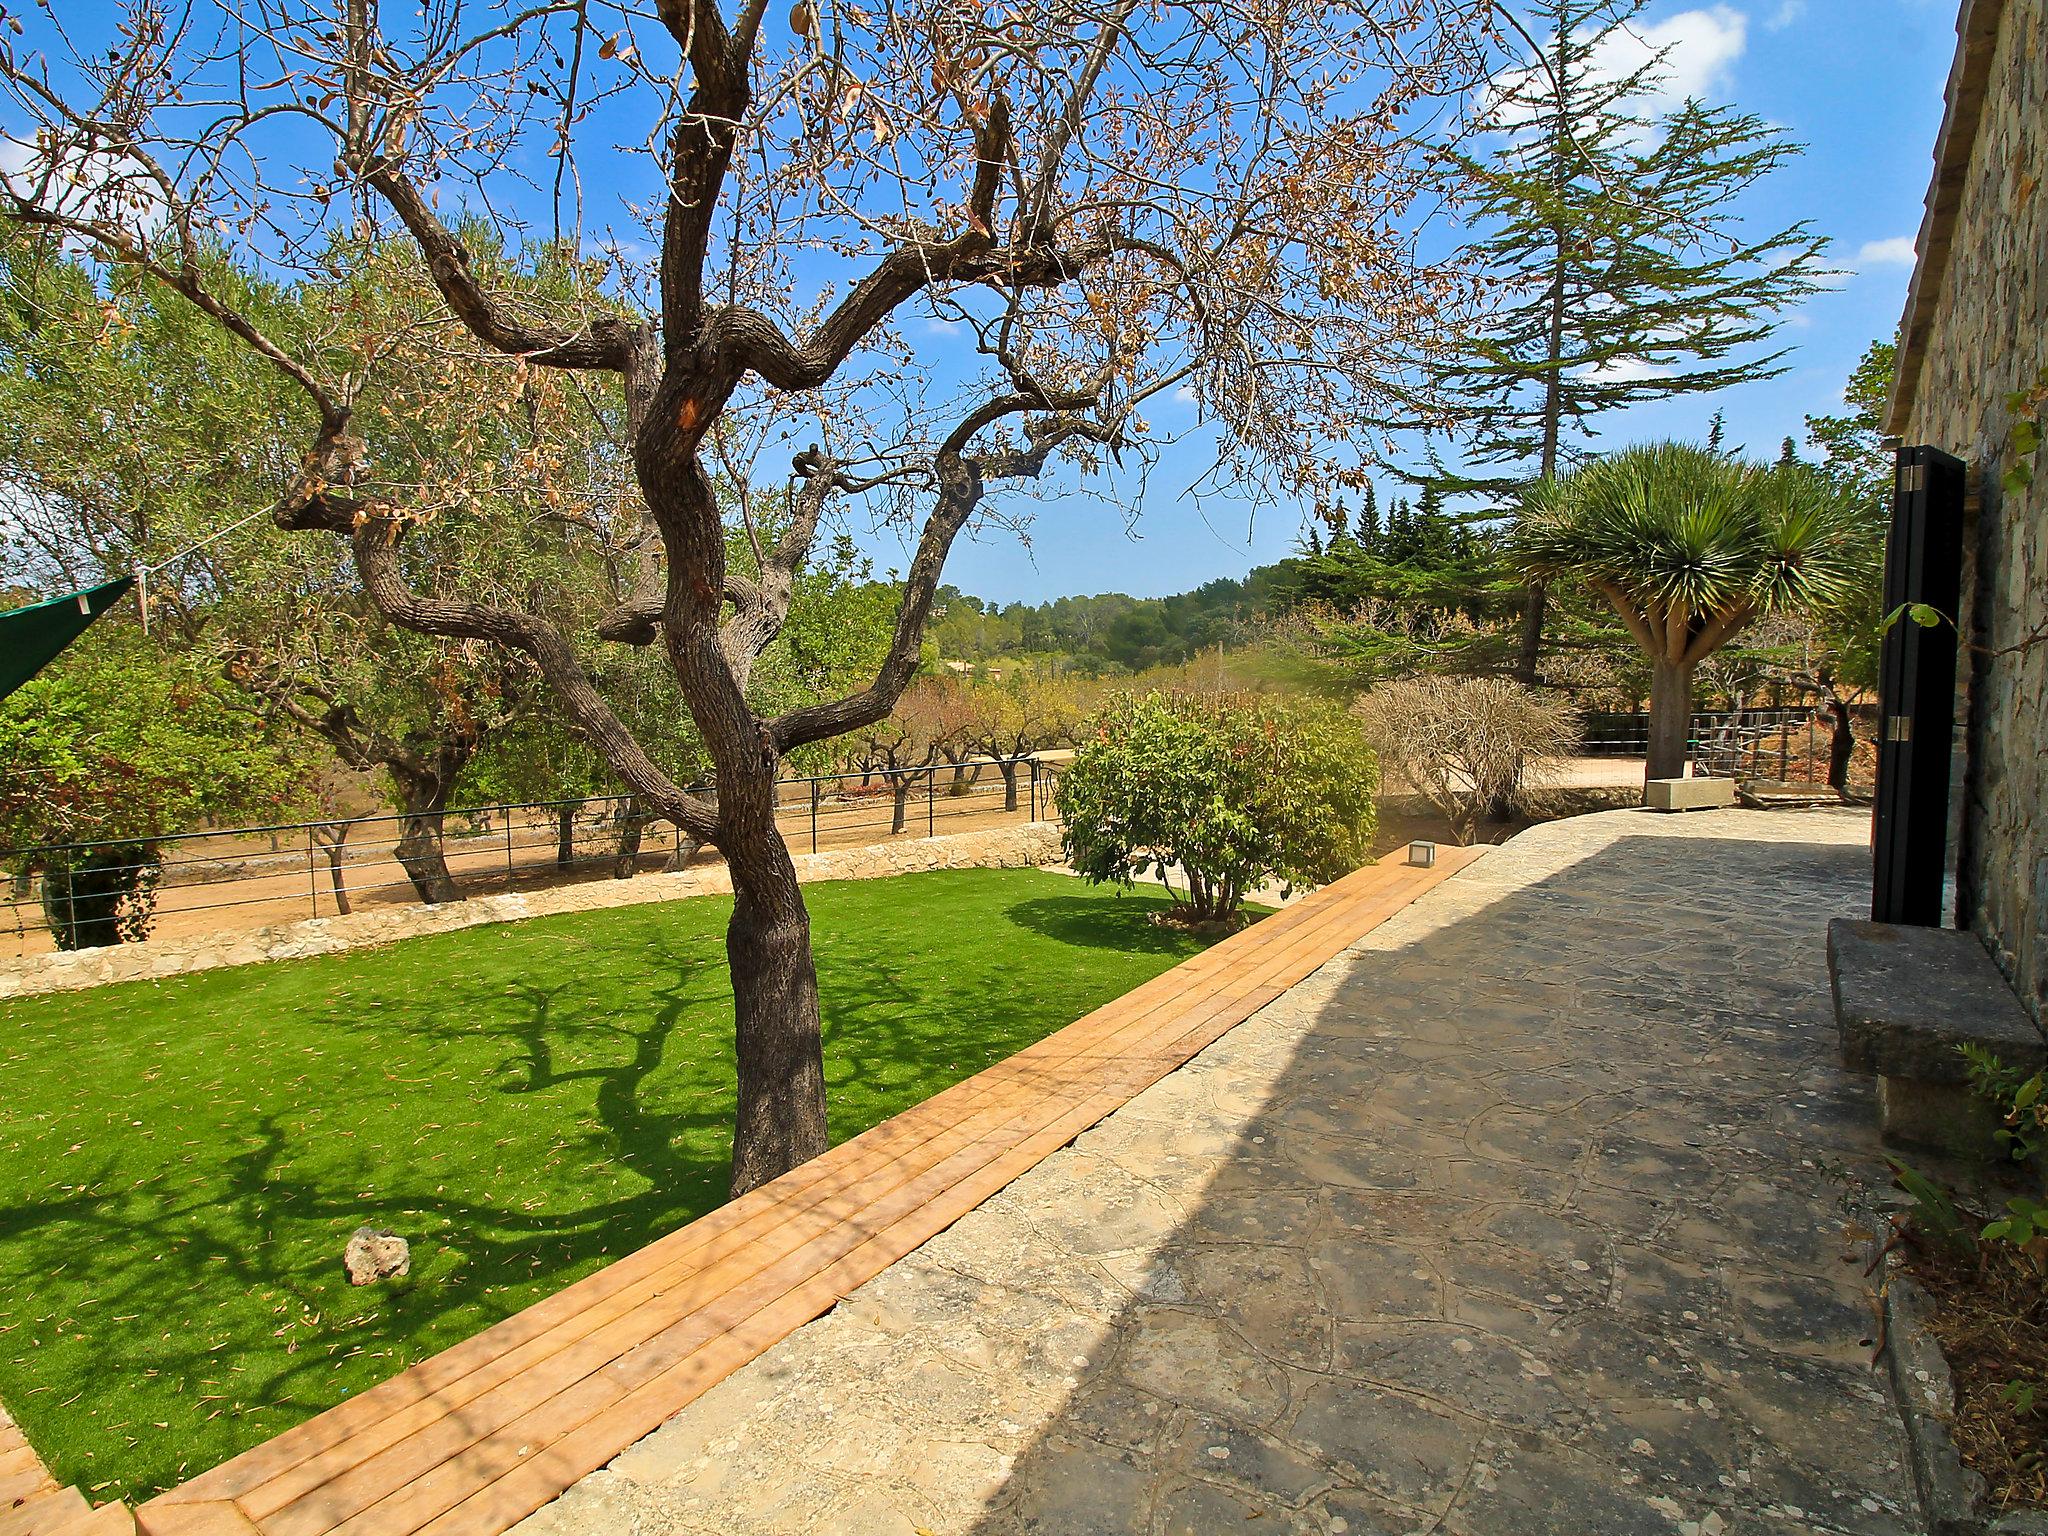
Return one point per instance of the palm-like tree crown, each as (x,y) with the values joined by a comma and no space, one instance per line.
(1690,545)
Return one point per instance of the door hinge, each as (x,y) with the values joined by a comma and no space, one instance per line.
(1912,477)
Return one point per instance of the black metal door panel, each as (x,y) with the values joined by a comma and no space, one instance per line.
(1916,687)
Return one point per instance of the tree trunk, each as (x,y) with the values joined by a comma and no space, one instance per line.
(1008,765)
(419,851)
(780,1118)
(1529,654)
(686,850)
(332,847)
(901,785)
(1841,746)
(1670,718)
(565,834)
(626,859)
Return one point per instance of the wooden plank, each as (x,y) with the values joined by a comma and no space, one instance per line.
(211,1518)
(112,1520)
(509,1444)
(761,1208)
(45,1513)
(25,1483)
(789,1230)
(491,1429)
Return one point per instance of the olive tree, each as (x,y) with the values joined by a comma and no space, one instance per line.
(1689,546)
(1105,204)
(1219,793)
(135,430)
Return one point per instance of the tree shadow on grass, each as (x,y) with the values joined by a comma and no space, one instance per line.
(1082,921)
(233,1259)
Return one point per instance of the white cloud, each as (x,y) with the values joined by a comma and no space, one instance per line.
(1688,54)
(93,186)
(1895,252)
(1787,13)
(1627,370)
(1699,50)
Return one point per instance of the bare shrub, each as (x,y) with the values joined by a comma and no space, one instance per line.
(1474,746)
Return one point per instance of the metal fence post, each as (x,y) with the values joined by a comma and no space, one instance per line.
(312,874)
(508,847)
(816,791)
(931,801)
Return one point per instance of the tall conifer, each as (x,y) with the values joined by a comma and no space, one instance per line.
(1611,229)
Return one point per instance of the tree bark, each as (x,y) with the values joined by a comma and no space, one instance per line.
(1670,718)
(565,835)
(332,847)
(779,1121)
(900,786)
(1008,765)
(419,852)
(1529,653)
(626,858)
(1841,745)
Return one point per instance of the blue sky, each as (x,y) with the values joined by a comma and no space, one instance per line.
(1857,81)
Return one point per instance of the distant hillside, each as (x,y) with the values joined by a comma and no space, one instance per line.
(1418,553)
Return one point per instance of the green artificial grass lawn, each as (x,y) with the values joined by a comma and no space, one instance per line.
(181,1162)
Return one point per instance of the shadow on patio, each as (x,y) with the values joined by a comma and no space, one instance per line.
(1525,1216)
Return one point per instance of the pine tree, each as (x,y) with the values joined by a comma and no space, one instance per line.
(1613,232)
(1369,520)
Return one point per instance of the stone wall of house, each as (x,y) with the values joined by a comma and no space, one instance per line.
(1990,338)
(1030,845)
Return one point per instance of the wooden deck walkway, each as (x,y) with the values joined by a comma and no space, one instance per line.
(481,1435)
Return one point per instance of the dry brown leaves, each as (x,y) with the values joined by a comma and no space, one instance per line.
(1991,1320)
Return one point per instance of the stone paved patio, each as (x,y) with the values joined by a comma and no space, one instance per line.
(1525,1215)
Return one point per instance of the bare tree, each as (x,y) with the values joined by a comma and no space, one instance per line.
(1473,746)
(1104,204)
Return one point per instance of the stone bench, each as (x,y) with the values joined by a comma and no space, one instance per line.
(1700,794)
(1906,999)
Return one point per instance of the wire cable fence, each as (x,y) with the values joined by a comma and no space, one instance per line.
(188,884)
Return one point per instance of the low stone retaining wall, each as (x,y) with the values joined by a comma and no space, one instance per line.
(1014,847)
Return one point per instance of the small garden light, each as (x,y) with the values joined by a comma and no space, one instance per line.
(1422,855)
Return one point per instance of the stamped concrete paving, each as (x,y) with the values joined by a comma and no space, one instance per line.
(1524,1216)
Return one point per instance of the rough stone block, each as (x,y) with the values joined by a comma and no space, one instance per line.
(1689,794)
(1907,997)
(1945,1116)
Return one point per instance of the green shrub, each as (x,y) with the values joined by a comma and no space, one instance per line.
(1230,792)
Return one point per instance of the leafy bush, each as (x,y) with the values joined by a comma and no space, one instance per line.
(1228,791)
(117,744)
(2018,1097)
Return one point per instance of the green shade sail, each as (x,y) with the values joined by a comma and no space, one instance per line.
(31,637)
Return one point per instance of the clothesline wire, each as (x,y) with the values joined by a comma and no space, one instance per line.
(142,572)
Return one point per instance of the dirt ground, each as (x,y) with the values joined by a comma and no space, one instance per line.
(221,884)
